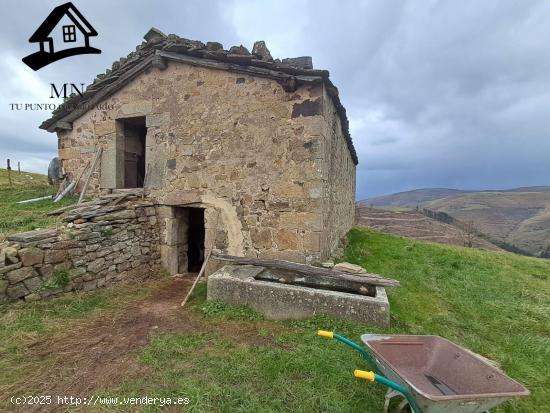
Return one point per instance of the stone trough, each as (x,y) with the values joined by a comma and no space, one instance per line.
(280,294)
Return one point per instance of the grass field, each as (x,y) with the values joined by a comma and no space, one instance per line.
(25,217)
(229,359)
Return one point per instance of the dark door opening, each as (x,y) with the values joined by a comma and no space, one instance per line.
(195,237)
(134,132)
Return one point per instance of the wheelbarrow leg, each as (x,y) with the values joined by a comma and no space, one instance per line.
(401,407)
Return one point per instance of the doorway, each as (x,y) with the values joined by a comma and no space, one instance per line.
(134,132)
(195,236)
(188,234)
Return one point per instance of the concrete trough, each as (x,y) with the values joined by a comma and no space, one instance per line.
(258,288)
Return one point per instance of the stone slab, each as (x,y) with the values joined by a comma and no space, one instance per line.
(31,236)
(235,285)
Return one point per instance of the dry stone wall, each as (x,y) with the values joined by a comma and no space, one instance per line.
(95,248)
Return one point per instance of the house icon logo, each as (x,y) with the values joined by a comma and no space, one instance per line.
(64,33)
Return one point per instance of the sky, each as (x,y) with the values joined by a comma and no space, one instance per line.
(452,94)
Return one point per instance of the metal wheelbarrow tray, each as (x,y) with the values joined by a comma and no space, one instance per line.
(440,375)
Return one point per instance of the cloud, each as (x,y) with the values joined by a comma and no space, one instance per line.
(439,94)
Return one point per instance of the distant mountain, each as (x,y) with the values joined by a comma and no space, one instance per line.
(410,199)
(516,218)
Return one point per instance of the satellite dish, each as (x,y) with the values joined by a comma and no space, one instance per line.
(54,171)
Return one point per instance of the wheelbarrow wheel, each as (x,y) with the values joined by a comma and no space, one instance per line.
(396,403)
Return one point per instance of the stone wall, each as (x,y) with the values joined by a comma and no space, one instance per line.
(338,183)
(239,146)
(99,247)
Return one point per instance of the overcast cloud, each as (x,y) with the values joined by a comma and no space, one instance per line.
(439,93)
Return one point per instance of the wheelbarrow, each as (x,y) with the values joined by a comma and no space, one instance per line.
(431,374)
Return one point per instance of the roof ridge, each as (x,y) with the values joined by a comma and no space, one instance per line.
(290,72)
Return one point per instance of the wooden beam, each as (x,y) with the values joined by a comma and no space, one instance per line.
(366,278)
(94,165)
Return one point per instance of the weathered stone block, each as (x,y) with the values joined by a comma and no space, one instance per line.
(54,256)
(169,258)
(261,238)
(33,283)
(8,268)
(89,285)
(158,120)
(286,239)
(20,274)
(17,291)
(105,128)
(31,256)
(62,266)
(30,236)
(312,241)
(45,270)
(96,265)
(77,272)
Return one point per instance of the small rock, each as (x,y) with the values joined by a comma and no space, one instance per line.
(239,50)
(32,297)
(214,46)
(261,50)
(327,264)
(349,268)
(11,255)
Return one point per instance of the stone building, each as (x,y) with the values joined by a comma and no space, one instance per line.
(236,150)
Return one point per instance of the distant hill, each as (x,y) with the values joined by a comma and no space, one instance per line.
(413,224)
(411,199)
(515,218)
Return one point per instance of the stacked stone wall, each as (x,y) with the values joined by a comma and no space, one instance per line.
(94,248)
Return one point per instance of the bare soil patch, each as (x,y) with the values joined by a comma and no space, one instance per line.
(101,351)
(96,353)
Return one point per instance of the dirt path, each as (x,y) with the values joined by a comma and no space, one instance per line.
(102,352)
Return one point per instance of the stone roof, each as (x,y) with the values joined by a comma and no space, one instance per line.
(158,48)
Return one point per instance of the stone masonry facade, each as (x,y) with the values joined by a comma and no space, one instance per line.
(96,247)
(269,160)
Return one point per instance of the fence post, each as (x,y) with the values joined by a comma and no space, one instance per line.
(9,172)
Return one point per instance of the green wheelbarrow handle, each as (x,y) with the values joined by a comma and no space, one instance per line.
(374,375)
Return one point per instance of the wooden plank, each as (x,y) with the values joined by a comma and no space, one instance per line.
(201,272)
(80,174)
(366,278)
(94,165)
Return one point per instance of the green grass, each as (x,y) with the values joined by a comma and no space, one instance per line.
(496,304)
(26,217)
